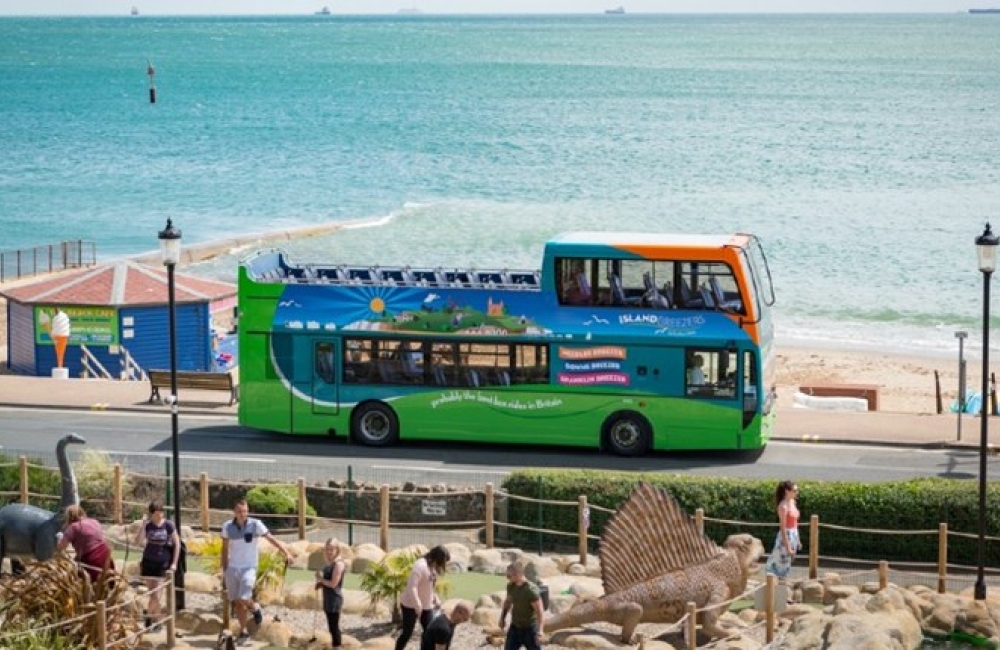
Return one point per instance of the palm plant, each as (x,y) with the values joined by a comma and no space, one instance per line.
(385,581)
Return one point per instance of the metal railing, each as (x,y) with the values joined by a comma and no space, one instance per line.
(25,262)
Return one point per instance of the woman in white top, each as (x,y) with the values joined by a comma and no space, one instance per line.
(418,597)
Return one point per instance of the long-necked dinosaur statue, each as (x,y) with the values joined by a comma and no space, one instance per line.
(654,561)
(29,531)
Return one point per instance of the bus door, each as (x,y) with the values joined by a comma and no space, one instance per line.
(713,415)
(314,382)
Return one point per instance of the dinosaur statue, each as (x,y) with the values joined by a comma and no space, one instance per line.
(654,561)
(31,531)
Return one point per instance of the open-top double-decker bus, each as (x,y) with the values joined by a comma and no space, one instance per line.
(627,342)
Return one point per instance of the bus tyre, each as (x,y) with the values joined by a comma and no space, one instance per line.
(374,424)
(627,434)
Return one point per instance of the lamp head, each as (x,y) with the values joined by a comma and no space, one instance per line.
(170,244)
(986,249)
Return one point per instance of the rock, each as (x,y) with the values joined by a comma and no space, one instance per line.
(275,633)
(366,555)
(356,602)
(537,569)
(834,593)
(490,600)
(201,583)
(485,616)
(187,621)
(379,643)
(209,624)
(418,550)
(460,553)
(587,640)
(487,560)
(561,603)
(301,595)
(812,591)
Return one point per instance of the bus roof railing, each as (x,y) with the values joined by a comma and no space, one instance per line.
(400,276)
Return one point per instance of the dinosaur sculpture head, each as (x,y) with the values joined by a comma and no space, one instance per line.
(748,549)
(72,438)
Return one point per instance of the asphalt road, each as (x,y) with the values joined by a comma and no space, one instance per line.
(222,449)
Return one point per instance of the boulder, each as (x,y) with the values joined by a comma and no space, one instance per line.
(486,616)
(201,583)
(379,643)
(487,560)
(301,595)
(275,633)
(537,569)
(365,555)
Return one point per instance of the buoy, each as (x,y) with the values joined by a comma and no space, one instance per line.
(152,89)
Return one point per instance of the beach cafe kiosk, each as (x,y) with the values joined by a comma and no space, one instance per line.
(111,321)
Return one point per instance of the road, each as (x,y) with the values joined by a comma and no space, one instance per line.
(222,449)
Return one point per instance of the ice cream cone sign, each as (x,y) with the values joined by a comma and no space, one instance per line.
(60,335)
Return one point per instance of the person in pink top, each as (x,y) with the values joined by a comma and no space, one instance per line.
(87,537)
(419,598)
(786,543)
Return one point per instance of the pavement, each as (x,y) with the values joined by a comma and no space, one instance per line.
(929,431)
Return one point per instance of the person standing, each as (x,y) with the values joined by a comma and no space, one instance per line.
(786,543)
(438,635)
(161,551)
(240,555)
(87,537)
(331,580)
(524,602)
(419,598)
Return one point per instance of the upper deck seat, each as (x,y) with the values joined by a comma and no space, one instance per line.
(688,299)
(618,293)
(721,301)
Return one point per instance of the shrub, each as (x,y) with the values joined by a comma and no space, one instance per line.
(41,481)
(277,500)
(911,505)
(95,479)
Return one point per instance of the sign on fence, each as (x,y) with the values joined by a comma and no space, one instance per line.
(434,508)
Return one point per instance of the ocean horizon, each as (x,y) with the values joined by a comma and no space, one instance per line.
(861,148)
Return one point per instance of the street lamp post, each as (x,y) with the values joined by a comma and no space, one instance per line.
(986,248)
(170,250)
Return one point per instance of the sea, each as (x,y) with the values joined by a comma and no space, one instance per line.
(863,149)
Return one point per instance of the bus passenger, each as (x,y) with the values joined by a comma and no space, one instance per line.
(576,287)
(695,374)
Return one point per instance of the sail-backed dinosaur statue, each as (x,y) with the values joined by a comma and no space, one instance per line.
(29,531)
(654,561)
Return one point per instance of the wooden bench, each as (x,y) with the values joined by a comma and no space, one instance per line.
(861,391)
(195,380)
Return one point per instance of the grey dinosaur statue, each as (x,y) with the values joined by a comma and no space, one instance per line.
(29,531)
(654,561)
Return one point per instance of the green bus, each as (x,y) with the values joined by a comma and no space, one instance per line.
(622,341)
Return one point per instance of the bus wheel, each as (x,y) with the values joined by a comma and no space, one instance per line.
(374,424)
(627,434)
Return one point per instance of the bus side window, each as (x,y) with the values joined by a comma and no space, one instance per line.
(324,362)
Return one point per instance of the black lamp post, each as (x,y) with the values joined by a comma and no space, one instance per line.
(170,250)
(986,248)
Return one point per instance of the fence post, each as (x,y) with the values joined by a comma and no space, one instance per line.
(203,500)
(769,589)
(883,575)
(101,614)
(225,610)
(582,523)
(692,626)
(118,493)
(541,518)
(383,517)
(488,513)
(172,608)
(699,520)
(350,505)
(942,557)
(23,481)
(302,508)
(813,547)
